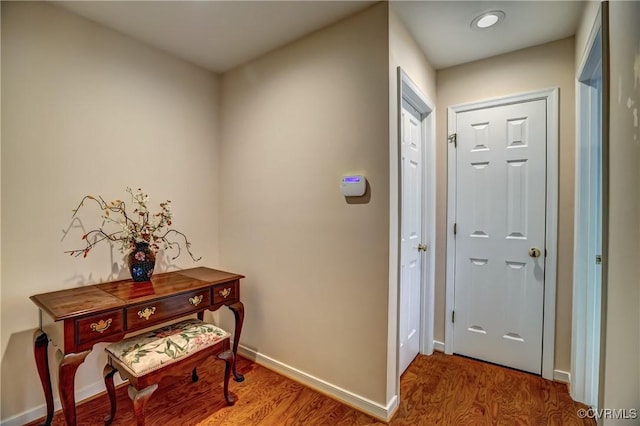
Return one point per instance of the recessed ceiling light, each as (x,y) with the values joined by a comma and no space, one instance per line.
(487,19)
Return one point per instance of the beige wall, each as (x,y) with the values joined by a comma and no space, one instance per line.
(622,350)
(404,52)
(589,14)
(540,67)
(316,265)
(87,110)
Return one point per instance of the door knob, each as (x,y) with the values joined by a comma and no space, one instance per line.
(534,252)
(422,247)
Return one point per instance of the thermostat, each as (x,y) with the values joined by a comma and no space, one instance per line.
(353,186)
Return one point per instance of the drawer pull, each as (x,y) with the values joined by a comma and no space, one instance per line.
(147,312)
(101,325)
(195,300)
(225,292)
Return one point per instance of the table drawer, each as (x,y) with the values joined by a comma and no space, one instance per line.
(154,311)
(99,326)
(225,292)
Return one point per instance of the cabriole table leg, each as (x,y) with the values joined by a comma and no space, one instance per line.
(238,311)
(66,386)
(40,345)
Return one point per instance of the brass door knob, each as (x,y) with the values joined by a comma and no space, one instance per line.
(422,247)
(534,252)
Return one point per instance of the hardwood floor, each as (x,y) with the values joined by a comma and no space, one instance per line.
(435,390)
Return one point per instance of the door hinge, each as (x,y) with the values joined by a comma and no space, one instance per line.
(598,259)
(453,138)
(453,316)
(455,228)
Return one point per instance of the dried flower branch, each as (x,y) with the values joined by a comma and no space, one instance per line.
(138,227)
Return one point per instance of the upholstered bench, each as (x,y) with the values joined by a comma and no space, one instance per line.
(173,350)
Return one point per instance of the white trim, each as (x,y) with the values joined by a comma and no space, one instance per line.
(374,409)
(562,376)
(451,242)
(430,269)
(586,303)
(393,323)
(412,93)
(551,261)
(549,315)
(41,410)
(380,412)
(438,346)
(588,47)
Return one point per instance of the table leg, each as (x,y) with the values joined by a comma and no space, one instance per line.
(108,373)
(238,311)
(66,386)
(40,345)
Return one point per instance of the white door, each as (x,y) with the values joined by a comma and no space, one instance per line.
(411,234)
(500,234)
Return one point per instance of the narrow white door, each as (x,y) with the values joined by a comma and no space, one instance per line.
(411,234)
(500,234)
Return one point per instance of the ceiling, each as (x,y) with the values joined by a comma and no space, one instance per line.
(217,35)
(443,28)
(220,35)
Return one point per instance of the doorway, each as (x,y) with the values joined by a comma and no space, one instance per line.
(417,222)
(501,245)
(590,227)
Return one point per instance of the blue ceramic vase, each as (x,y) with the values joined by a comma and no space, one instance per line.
(141,262)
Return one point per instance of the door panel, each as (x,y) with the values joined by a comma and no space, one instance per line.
(500,197)
(411,234)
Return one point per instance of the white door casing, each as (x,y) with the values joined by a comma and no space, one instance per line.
(586,324)
(523,301)
(499,287)
(422,297)
(412,176)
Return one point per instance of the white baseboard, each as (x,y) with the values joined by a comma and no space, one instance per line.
(438,346)
(374,409)
(41,410)
(562,376)
(380,412)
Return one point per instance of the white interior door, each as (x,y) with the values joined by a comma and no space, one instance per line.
(411,234)
(500,234)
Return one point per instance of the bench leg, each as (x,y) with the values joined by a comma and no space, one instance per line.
(228,358)
(109,372)
(140,398)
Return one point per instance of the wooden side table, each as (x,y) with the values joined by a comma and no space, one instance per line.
(76,319)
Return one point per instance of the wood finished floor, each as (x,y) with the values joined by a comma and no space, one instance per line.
(435,390)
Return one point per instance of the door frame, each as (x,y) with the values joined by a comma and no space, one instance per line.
(588,312)
(551,233)
(410,92)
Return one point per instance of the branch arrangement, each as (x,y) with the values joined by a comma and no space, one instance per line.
(138,227)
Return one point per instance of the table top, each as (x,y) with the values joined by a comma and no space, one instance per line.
(90,299)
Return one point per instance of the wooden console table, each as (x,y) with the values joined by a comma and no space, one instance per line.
(78,318)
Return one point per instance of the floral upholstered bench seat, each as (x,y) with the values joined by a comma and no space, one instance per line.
(168,351)
(156,349)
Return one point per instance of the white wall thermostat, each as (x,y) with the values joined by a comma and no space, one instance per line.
(353,186)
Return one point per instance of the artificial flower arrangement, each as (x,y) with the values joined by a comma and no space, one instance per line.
(134,230)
